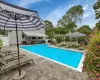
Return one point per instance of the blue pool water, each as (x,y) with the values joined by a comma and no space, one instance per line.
(66,57)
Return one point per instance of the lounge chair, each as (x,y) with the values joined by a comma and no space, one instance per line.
(11,57)
(6,66)
(7,52)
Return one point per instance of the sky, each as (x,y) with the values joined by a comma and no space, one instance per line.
(53,10)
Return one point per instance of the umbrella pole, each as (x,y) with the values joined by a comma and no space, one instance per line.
(17,47)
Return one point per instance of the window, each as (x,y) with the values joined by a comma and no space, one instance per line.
(22,35)
(33,37)
(40,37)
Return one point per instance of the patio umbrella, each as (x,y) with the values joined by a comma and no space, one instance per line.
(16,18)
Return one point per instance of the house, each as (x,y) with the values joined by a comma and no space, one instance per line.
(27,36)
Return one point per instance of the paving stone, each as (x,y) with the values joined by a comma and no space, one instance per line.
(43,78)
(44,69)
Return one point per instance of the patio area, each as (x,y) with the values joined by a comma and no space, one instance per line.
(43,69)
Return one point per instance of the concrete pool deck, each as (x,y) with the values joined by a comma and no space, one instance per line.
(44,69)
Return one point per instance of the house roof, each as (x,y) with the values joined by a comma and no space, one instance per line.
(34,34)
(11,5)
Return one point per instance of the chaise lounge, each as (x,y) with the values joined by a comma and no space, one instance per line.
(6,66)
(10,56)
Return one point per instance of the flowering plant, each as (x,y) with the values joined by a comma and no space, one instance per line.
(92,60)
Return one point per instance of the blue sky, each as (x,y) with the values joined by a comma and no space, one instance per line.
(53,10)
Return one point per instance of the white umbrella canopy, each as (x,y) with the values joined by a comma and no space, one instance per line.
(14,17)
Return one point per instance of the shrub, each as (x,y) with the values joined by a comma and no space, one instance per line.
(54,41)
(59,39)
(81,39)
(62,45)
(1,43)
(75,46)
(92,60)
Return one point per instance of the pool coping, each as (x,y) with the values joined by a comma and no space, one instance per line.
(80,65)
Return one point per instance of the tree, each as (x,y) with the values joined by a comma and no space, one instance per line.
(74,14)
(97,9)
(48,24)
(85,29)
(70,26)
(49,28)
(98,25)
(60,23)
(59,30)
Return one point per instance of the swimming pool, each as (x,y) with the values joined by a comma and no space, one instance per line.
(65,57)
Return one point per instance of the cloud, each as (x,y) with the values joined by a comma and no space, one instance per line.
(49,1)
(85,15)
(86,11)
(27,3)
(57,14)
(85,7)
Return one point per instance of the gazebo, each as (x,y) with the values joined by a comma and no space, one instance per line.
(14,18)
(75,35)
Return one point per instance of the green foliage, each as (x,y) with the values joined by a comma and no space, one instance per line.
(63,45)
(1,43)
(49,29)
(73,15)
(50,33)
(74,46)
(80,39)
(60,30)
(97,9)
(66,24)
(59,39)
(54,41)
(71,26)
(48,24)
(92,60)
(1,32)
(85,29)
(98,25)
(60,23)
